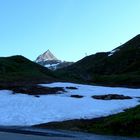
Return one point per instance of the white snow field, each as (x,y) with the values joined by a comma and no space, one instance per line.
(25,110)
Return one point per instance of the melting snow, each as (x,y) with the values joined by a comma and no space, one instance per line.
(50,66)
(113,51)
(21,109)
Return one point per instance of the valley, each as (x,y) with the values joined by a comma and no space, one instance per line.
(98,94)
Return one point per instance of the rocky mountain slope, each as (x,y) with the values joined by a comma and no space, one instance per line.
(120,66)
(47,59)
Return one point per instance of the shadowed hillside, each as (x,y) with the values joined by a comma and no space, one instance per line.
(19,68)
(121,66)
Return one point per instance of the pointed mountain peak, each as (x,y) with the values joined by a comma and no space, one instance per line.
(46,56)
(48,51)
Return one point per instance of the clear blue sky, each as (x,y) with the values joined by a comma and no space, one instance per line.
(69,28)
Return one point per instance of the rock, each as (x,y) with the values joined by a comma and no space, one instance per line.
(37,96)
(111,97)
(36,90)
(76,96)
(71,88)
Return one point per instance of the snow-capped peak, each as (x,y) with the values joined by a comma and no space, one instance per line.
(47,59)
(46,56)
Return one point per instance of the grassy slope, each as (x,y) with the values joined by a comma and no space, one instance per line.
(122,68)
(18,68)
(126,124)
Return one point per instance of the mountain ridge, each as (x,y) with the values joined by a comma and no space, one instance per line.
(119,66)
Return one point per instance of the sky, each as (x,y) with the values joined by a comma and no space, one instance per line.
(70,29)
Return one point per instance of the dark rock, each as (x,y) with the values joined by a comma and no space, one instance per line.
(111,97)
(76,96)
(35,89)
(37,96)
(71,88)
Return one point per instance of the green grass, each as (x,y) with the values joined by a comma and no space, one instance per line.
(128,79)
(18,68)
(126,124)
(122,68)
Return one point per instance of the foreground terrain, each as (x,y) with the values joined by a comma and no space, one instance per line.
(126,124)
(35,134)
(75,101)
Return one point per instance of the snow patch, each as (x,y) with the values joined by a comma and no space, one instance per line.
(52,66)
(89,90)
(25,110)
(113,51)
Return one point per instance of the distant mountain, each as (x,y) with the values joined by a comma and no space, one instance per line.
(47,59)
(120,66)
(46,56)
(19,68)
